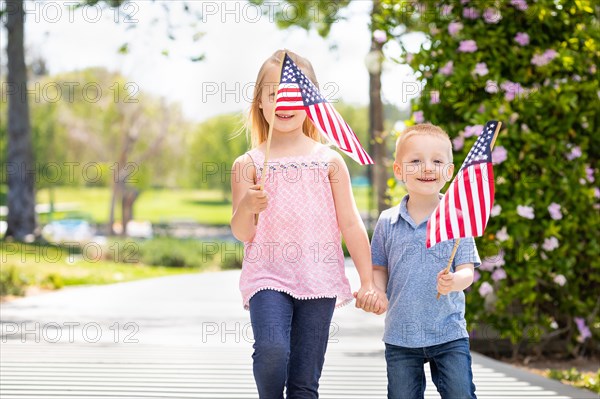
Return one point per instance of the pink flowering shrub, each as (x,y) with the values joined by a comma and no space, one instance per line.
(533,65)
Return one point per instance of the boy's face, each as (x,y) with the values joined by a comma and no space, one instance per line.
(424,164)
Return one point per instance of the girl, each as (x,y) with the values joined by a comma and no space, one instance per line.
(293,269)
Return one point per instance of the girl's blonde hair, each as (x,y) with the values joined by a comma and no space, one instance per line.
(257,124)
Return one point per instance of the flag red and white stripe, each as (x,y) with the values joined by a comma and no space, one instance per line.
(297,92)
(466,206)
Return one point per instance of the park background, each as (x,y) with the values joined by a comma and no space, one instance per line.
(136,113)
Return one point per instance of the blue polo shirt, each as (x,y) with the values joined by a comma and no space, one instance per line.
(415,318)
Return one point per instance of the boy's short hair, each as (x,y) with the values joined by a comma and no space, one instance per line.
(423,129)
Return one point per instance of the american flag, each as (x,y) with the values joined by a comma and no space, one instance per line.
(297,92)
(465,208)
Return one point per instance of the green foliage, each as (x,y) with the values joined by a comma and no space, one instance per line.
(589,381)
(53,281)
(231,262)
(12,282)
(307,14)
(174,252)
(178,253)
(213,146)
(77,140)
(54,266)
(546,91)
(3,193)
(79,121)
(3,142)
(110,3)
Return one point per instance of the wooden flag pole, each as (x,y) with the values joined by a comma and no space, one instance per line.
(270,134)
(457,241)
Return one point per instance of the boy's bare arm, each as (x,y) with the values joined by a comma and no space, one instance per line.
(457,281)
(380,277)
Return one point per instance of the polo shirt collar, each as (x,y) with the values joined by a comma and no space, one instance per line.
(402,210)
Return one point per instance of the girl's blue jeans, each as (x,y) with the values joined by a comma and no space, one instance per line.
(290,339)
(450,365)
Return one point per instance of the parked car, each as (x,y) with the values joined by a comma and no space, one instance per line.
(68,230)
(139,229)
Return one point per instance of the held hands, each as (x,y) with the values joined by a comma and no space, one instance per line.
(371,299)
(255,200)
(445,282)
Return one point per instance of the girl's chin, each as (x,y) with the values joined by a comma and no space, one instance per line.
(288,130)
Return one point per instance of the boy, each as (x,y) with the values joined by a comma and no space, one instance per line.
(418,327)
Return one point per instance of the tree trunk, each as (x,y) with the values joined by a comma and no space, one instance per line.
(379,172)
(119,176)
(129,197)
(116,195)
(20,166)
(122,193)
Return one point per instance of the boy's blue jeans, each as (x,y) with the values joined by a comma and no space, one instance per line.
(450,365)
(290,339)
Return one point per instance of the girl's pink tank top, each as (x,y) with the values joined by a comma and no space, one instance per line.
(297,246)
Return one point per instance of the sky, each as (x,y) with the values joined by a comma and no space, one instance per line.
(233,37)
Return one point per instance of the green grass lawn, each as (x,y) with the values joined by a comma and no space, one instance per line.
(82,271)
(203,206)
(154,205)
(52,267)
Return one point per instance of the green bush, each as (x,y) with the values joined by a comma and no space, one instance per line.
(53,281)
(577,378)
(12,282)
(168,251)
(231,262)
(176,252)
(534,66)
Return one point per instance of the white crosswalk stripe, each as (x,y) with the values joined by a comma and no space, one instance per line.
(30,370)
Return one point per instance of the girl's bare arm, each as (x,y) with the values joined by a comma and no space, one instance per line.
(247,199)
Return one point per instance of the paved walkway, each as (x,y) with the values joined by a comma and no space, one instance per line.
(188,337)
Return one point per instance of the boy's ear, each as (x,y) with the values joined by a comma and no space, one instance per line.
(398,171)
(448,172)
